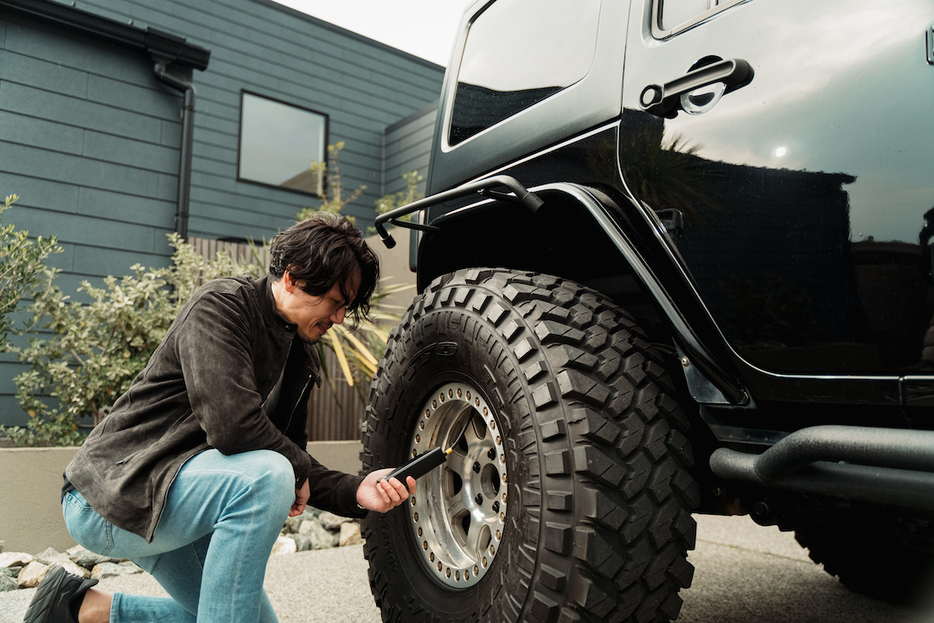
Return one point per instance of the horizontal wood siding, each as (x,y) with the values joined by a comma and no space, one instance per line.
(266,48)
(407,147)
(89,141)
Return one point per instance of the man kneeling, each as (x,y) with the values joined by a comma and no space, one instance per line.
(193,473)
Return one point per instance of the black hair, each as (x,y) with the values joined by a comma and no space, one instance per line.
(324,250)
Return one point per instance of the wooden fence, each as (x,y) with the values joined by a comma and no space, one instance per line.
(334,413)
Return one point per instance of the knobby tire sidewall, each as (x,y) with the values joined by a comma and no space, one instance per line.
(573,522)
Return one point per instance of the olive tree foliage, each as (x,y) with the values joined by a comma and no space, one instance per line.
(333,196)
(22,269)
(98,345)
(390,202)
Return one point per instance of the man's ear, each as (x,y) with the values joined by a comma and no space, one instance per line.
(288,281)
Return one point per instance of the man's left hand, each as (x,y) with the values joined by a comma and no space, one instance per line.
(377,494)
(301,499)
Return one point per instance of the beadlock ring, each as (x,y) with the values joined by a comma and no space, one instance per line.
(457,516)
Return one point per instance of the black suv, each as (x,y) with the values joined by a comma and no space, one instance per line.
(676,257)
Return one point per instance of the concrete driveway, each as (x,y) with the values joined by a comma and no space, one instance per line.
(744,573)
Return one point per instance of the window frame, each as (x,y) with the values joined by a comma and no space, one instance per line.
(324,155)
(713,8)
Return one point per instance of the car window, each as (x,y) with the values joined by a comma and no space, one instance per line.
(505,69)
(670,17)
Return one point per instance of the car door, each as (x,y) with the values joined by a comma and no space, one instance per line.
(806,184)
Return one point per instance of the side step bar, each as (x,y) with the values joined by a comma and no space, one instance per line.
(881,465)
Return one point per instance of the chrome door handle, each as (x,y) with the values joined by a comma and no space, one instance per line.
(665,100)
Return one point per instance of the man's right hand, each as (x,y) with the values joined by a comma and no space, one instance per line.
(380,495)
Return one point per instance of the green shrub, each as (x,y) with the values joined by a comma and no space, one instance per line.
(22,267)
(97,348)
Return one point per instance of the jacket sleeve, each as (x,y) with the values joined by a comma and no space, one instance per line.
(214,351)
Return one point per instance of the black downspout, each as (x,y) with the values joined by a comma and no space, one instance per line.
(184,160)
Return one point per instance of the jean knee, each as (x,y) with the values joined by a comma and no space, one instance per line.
(85,526)
(278,476)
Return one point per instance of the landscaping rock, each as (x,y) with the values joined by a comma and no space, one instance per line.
(292,524)
(302,542)
(284,545)
(330,521)
(86,558)
(15,559)
(113,570)
(320,537)
(32,574)
(71,567)
(7,583)
(51,556)
(350,534)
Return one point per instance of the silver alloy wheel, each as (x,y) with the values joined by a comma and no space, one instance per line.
(459,511)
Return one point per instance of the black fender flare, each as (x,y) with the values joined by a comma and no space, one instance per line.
(637,236)
(642,241)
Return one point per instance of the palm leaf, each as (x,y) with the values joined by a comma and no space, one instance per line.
(341,358)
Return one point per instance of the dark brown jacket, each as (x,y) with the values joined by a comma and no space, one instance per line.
(204,387)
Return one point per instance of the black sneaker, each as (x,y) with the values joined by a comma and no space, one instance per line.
(55,595)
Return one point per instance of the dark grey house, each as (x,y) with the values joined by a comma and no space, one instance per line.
(124,120)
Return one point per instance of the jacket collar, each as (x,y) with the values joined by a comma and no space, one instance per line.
(312,361)
(270,315)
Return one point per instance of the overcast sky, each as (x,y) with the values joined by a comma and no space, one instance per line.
(424,28)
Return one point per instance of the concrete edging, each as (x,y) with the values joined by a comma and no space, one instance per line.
(31,482)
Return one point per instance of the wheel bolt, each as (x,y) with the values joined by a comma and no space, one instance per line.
(491,454)
(479,499)
(476,467)
(495,507)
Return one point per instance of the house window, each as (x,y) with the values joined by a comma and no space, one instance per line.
(278,142)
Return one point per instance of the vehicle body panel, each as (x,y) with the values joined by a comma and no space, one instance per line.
(804,238)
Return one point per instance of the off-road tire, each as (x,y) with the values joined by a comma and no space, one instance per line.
(583,427)
(864,555)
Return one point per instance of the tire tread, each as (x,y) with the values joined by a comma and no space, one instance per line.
(608,488)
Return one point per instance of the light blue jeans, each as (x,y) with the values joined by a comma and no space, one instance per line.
(209,552)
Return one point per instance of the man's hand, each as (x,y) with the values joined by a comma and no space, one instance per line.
(301,499)
(380,495)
